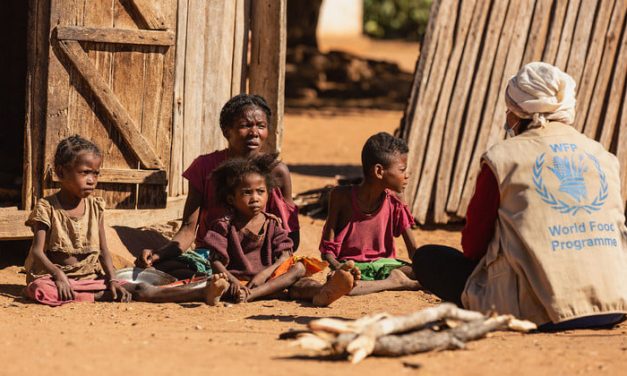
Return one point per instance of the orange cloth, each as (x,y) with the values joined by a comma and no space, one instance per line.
(312,266)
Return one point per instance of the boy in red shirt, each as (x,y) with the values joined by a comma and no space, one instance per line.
(364,220)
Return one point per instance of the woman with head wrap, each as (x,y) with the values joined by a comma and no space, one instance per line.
(545,235)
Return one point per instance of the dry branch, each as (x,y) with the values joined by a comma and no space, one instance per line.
(420,331)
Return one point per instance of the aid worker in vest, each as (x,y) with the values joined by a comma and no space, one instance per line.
(545,237)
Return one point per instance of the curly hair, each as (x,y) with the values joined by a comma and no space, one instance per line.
(69,148)
(236,105)
(379,149)
(230,174)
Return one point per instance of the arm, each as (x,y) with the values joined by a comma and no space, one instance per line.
(184,236)
(328,232)
(107,265)
(263,276)
(283,180)
(59,277)
(410,242)
(481,215)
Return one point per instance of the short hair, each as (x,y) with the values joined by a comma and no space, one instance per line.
(69,148)
(230,174)
(237,104)
(381,148)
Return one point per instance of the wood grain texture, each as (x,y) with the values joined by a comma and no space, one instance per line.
(119,36)
(149,13)
(124,176)
(481,86)
(111,105)
(555,31)
(267,64)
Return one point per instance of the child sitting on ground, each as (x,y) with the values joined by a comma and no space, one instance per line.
(250,246)
(363,220)
(69,260)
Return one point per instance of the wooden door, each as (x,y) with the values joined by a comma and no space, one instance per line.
(110,77)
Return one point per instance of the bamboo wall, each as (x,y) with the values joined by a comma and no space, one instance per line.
(457,110)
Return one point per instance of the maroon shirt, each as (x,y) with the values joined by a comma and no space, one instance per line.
(481,216)
(244,253)
(369,237)
(199,176)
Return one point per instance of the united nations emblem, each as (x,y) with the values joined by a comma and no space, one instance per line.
(571,171)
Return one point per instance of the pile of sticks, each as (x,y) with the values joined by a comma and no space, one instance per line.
(471,49)
(443,327)
(315,202)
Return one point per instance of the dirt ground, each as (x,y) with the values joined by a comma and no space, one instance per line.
(195,339)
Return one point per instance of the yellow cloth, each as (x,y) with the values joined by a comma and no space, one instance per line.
(543,93)
(68,235)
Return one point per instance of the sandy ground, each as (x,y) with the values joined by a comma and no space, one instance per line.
(195,339)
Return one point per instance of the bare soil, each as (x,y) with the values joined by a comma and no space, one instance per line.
(195,339)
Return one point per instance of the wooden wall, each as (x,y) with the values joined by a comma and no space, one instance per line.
(471,49)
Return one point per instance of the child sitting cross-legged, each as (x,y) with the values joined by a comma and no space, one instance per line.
(364,219)
(251,247)
(69,260)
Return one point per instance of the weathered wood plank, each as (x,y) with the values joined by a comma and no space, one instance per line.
(480,87)
(36,88)
(424,64)
(496,120)
(240,47)
(150,14)
(194,70)
(582,39)
(595,114)
(566,37)
(124,176)
(12,220)
(538,32)
(419,131)
(62,13)
(438,125)
(586,84)
(218,53)
(267,65)
(555,31)
(111,105)
(175,187)
(618,84)
(118,36)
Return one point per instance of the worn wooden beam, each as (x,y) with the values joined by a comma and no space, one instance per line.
(123,176)
(149,14)
(120,36)
(111,105)
(267,63)
(12,220)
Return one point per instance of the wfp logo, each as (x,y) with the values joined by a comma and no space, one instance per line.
(571,172)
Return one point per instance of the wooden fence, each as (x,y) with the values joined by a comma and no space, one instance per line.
(471,49)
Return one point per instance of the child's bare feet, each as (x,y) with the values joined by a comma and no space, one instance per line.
(403,280)
(216,286)
(242,295)
(338,285)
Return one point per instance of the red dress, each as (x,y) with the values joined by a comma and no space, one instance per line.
(199,176)
(369,237)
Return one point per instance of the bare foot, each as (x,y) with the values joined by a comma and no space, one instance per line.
(243,295)
(338,285)
(216,286)
(403,280)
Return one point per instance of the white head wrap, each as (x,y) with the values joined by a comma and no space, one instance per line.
(543,93)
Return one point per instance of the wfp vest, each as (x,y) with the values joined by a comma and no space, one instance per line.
(559,250)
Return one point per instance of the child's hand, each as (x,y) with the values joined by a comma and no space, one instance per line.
(147,259)
(63,286)
(234,286)
(120,292)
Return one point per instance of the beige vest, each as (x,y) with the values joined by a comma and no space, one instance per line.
(560,247)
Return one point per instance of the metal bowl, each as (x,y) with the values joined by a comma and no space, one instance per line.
(150,276)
